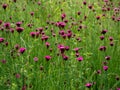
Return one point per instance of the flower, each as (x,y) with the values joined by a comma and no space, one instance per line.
(4,6)
(19,29)
(3,61)
(88,85)
(107,57)
(80,58)
(47,44)
(33,34)
(7,25)
(102,48)
(17,75)
(105,68)
(18,24)
(47,57)
(61,24)
(102,37)
(1,39)
(63,16)
(35,59)
(22,50)
(104,31)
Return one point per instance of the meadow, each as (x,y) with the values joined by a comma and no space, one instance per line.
(59,45)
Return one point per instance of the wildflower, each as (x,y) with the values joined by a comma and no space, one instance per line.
(111,38)
(78,13)
(84,2)
(88,85)
(3,61)
(0,22)
(47,57)
(32,34)
(18,24)
(61,24)
(17,75)
(76,50)
(118,88)
(19,29)
(7,25)
(63,16)
(80,58)
(111,43)
(107,57)
(4,6)
(102,37)
(35,59)
(98,71)
(105,68)
(17,46)
(32,13)
(102,48)
(1,39)
(22,50)
(47,44)
(65,57)
(104,31)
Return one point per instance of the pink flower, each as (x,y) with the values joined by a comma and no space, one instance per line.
(88,85)
(22,50)
(47,57)
(1,39)
(105,68)
(80,58)
(17,75)
(4,6)
(35,59)
(19,29)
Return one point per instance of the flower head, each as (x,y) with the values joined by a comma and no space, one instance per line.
(22,50)
(88,85)
(1,39)
(19,29)
(80,58)
(105,68)
(47,57)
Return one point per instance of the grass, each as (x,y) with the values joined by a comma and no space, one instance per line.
(59,73)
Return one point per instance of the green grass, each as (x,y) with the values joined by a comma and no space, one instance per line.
(59,74)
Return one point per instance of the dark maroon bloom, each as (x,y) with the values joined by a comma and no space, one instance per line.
(104,31)
(61,48)
(17,46)
(111,43)
(32,13)
(79,13)
(84,2)
(7,25)
(39,3)
(11,30)
(3,61)
(19,29)
(107,57)
(90,6)
(47,44)
(24,87)
(80,58)
(18,24)
(102,48)
(4,6)
(102,37)
(14,1)
(65,57)
(17,75)
(105,68)
(63,16)
(44,38)
(47,57)
(61,24)
(22,50)
(33,34)
(35,59)
(77,54)
(98,71)
(111,38)
(98,17)
(67,48)
(0,22)
(6,43)
(117,78)
(88,85)
(76,50)
(1,39)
